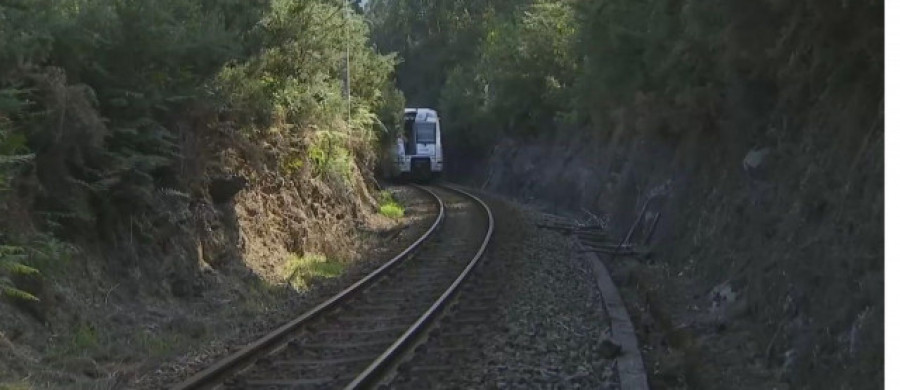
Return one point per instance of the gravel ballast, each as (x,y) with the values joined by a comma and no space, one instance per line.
(541,321)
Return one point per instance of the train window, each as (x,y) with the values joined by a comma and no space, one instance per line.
(408,134)
(408,128)
(425,133)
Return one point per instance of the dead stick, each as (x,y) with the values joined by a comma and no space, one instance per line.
(637,220)
(652,229)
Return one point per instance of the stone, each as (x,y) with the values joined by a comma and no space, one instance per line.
(755,162)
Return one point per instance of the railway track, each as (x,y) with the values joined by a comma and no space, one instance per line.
(456,339)
(357,337)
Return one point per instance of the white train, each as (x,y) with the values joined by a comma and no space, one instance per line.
(417,153)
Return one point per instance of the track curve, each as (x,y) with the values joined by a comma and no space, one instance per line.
(350,340)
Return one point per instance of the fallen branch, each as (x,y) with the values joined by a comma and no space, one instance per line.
(589,233)
(637,220)
(565,229)
(606,245)
(594,227)
(652,229)
(616,253)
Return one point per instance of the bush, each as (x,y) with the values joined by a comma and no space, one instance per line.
(384,196)
(330,157)
(391,210)
(389,207)
(93,87)
(299,271)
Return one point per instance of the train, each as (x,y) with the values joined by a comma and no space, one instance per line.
(417,153)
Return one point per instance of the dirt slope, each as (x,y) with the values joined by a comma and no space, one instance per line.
(205,262)
(775,241)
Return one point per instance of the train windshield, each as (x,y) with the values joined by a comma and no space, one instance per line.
(425,133)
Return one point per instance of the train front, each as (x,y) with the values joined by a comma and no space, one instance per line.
(419,155)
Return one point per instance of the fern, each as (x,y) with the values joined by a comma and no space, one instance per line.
(15,159)
(36,258)
(6,250)
(12,144)
(11,258)
(17,294)
(171,192)
(16,268)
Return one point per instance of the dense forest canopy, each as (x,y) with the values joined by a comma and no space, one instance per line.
(522,67)
(92,91)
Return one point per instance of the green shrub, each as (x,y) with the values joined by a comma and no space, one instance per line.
(329,156)
(389,207)
(384,196)
(391,210)
(122,72)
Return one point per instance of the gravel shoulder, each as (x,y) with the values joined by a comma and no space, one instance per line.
(530,317)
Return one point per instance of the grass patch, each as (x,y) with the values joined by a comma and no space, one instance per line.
(158,345)
(384,196)
(299,271)
(262,293)
(391,210)
(84,339)
(389,207)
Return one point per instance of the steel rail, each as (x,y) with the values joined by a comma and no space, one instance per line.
(212,374)
(374,371)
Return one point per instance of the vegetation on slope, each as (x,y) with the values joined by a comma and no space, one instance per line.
(673,94)
(129,127)
(92,91)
